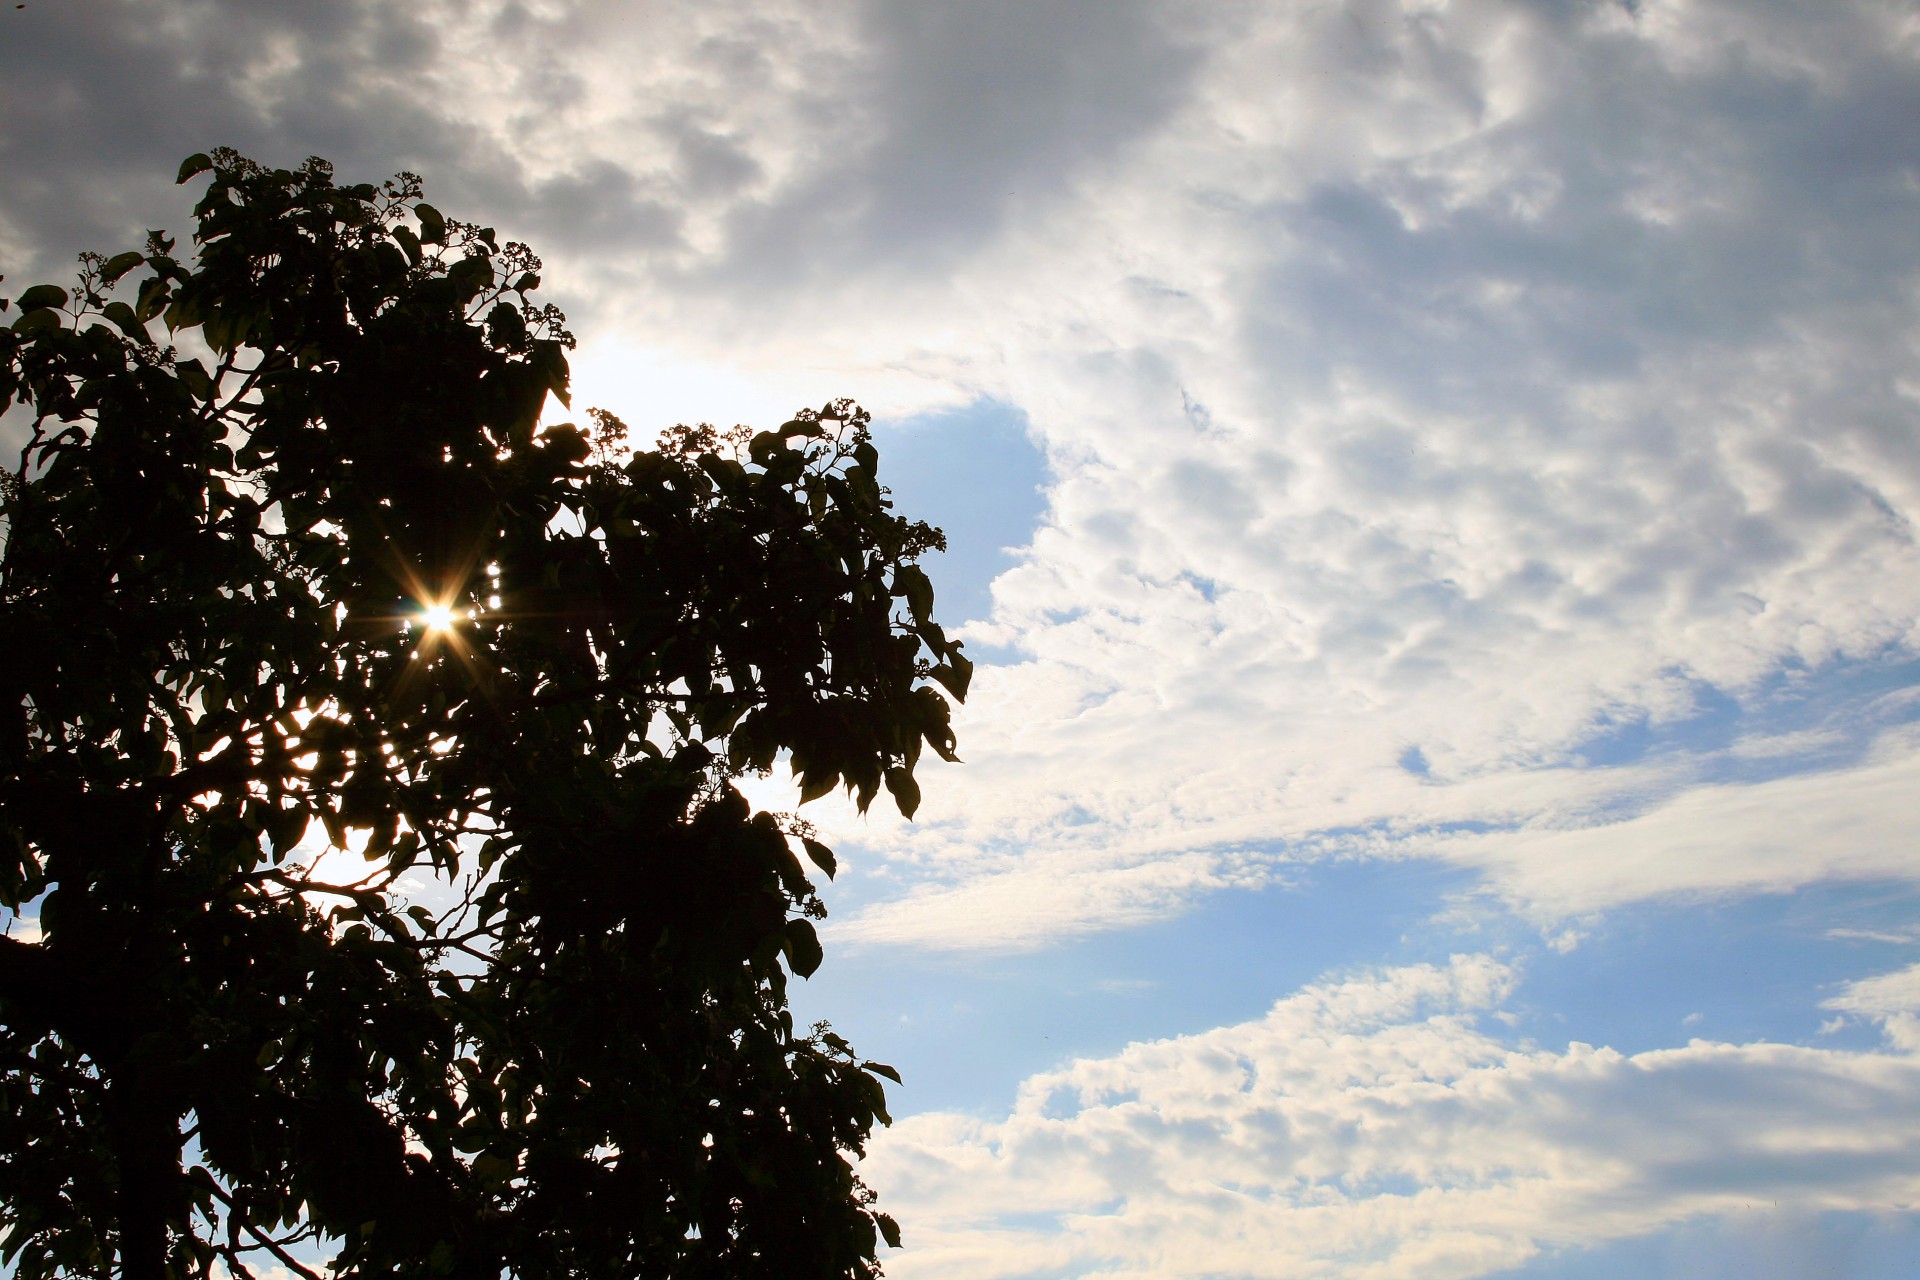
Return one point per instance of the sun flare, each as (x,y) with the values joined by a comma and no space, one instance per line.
(438,617)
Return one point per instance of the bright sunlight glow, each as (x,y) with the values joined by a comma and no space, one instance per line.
(438,617)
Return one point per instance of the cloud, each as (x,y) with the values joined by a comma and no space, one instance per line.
(1490,379)
(1890,999)
(274,1272)
(1553,844)
(1855,824)
(1461,384)
(1876,935)
(1369,1127)
(971,115)
(1484,432)
(102,102)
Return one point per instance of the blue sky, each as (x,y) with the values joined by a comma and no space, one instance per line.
(1432,487)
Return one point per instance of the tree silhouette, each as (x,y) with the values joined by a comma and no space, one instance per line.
(369,755)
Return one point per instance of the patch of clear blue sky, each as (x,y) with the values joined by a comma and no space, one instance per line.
(1765,1242)
(1850,699)
(974,472)
(1751,967)
(965,1029)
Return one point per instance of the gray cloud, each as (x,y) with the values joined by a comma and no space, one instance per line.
(989,104)
(1706,207)
(958,119)
(103,100)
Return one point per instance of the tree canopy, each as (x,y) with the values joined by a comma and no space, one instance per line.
(369,760)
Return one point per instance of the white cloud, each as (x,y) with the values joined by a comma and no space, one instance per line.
(275,1271)
(1368,1127)
(1448,383)
(1890,999)
(1857,824)
(1877,935)
(1570,843)
(1473,379)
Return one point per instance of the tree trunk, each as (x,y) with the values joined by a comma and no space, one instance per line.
(146,1147)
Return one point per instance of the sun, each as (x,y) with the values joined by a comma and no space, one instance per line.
(437,617)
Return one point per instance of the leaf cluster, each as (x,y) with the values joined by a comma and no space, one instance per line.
(250,480)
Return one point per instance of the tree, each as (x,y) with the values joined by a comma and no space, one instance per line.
(331,576)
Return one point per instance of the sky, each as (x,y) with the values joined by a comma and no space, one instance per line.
(1431,488)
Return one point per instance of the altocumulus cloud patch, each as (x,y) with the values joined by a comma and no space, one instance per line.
(1373,1126)
(1399,395)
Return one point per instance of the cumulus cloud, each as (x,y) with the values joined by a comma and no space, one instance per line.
(1430,390)
(1370,1127)
(1489,378)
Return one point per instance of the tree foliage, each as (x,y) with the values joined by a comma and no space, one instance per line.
(291,567)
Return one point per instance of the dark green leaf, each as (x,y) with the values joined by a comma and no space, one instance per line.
(193,376)
(41,320)
(505,326)
(197,163)
(433,227)
(802,947)
(119,264)
(471,274)
(911,582)
(905,791)
(820,855)
(813,785)
(154,293)
(409,243)
(42,295)
(956,674)
(121,315)
(550,361)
